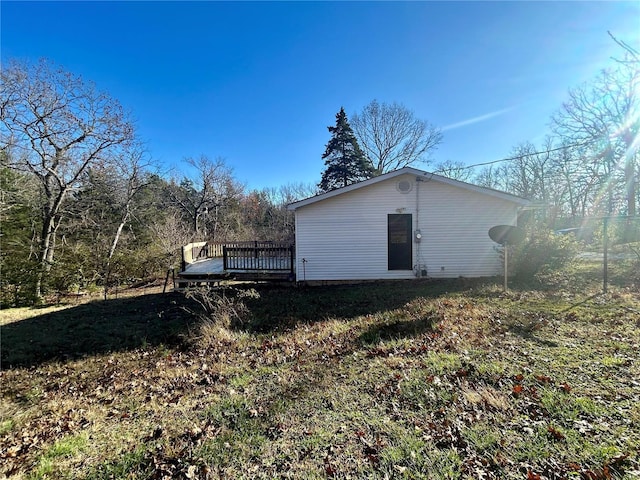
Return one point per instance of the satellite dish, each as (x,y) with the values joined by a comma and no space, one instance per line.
(506,234)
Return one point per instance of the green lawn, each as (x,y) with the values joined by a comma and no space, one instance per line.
(408,380)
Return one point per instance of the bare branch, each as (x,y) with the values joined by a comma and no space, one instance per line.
(61,126)
(392,137)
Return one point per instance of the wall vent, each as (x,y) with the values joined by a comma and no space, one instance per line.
(404,186)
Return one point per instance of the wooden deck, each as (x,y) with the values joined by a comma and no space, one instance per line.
(206,263)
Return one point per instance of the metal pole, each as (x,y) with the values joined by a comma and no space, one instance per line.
(605,266)
(506,262)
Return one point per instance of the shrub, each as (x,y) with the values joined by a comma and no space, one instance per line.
(219,311)
(542,254)
(17,281)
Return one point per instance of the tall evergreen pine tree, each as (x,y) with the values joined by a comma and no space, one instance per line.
(345,162)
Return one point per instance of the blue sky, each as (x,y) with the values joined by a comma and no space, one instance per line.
(258,83)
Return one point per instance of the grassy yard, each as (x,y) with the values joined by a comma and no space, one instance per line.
(387,380)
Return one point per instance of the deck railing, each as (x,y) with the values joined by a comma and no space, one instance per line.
(259,256)
(193,252)
(204,250)
(244,256)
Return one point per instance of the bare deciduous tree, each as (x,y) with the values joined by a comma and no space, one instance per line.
(279,221)
(130,169)
(169,234)
(604,117)
(455,170)
(204,193)
(392,137)
(130,173)
(631,55)
(56,126)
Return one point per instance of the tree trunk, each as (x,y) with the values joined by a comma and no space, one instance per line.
(116,239)
(50,224)
(196,235)
(47,246)
(112,250)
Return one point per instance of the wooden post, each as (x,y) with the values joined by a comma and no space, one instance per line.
(166,280)
(292,247)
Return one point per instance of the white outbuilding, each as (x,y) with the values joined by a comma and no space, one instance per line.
(404,224)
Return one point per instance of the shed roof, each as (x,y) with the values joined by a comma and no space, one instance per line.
(419,174)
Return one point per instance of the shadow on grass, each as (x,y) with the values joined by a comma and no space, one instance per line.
(529,334)
(282,308)
(395,330)
(150,320)
(95,328)
(580,304)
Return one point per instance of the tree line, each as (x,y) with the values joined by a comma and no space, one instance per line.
(84,204)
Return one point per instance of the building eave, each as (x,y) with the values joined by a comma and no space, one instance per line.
(420,175)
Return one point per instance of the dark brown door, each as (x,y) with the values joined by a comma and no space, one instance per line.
(399,241)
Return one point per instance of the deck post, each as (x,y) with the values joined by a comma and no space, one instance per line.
(166,281)
(292,249)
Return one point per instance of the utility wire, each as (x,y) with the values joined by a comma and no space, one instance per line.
(518,157)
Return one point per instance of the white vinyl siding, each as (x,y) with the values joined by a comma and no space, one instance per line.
(344,237)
